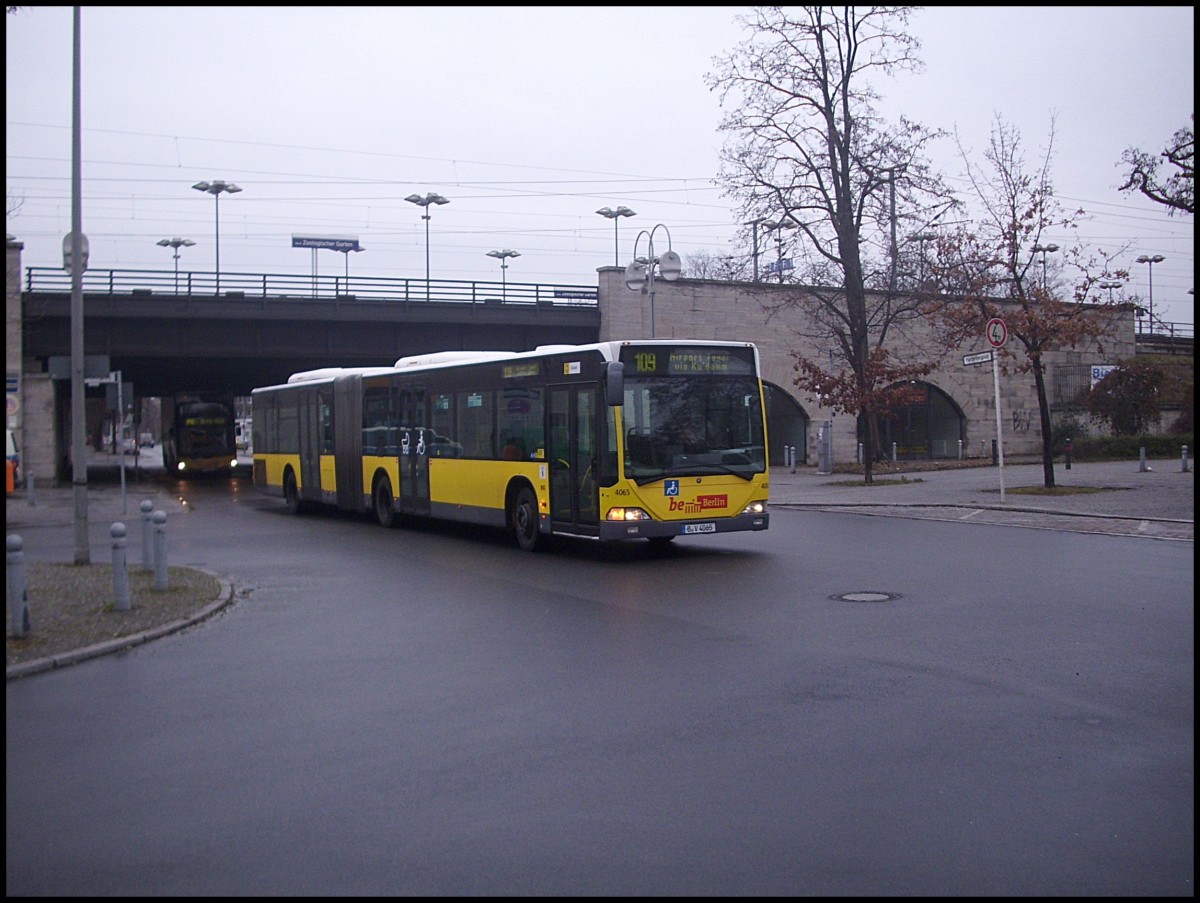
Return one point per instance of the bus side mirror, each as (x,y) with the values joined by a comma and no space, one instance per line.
(614,384)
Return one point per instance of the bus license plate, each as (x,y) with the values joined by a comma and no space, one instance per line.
(699,528)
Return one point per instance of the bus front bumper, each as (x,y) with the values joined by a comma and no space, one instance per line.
(652,529)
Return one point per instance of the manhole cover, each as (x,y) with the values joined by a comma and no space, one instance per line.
(866,597)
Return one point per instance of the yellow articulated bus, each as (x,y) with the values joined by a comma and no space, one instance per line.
(614,441)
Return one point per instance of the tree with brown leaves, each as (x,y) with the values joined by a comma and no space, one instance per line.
(995,268)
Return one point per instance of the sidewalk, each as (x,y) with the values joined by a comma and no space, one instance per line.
(1159,502)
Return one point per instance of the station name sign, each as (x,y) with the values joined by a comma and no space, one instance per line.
(332,242)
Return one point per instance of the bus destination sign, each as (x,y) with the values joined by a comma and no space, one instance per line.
(670,360)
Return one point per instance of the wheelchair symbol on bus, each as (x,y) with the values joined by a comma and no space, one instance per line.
(670,487)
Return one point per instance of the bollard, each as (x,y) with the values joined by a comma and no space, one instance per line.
(960,449)
(120,570)
(18,598)
(1143,467)
(1067,452)
(1184,460)
(859,459)
(160,550)
(793,459)
(893,452)
(147,507)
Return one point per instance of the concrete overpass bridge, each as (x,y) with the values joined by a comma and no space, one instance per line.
(169,332)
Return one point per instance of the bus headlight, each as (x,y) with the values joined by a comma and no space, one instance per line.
(625,514)
(755,508)
(181,467)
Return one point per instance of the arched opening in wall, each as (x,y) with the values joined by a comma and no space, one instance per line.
(787,424)
(930,429)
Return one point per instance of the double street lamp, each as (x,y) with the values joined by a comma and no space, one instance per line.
(615,216)
(640,273)
(1109,284)
(215,188)
(176,244)
(1044,250)
(1150,262)
(502,256)
(425,202)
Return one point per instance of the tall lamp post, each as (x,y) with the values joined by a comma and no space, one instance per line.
(640,273)
(1109,284)
(1044,250)
(424,202)
(215,188)
(346,254)
(501,256)
(1150,262)
(615,216)
(176,244)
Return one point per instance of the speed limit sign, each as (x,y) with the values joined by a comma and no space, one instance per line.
(996,332)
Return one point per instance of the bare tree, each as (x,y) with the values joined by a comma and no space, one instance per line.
(705,264)
(1176,192)
(806,148)
(993,268)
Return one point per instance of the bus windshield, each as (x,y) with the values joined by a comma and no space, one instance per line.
(692,425)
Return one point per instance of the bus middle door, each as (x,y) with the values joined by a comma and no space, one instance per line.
(414,453)
(572,455)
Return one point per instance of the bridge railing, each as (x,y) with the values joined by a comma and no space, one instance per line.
(52,280)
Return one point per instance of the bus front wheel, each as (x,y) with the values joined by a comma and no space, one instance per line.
(525,520)
(385,508)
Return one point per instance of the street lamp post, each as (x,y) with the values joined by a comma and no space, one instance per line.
(176,244)
(1044,250)
(615,216)
(501,255)
(1109,284)
(1150,262)
(346,253)
(640,273)
(424,202)
(215,188)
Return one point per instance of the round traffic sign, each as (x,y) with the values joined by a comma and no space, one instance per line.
(996,332)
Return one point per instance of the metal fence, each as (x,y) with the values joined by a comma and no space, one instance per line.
(51,280)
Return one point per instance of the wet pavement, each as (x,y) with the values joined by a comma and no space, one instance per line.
(1114,497)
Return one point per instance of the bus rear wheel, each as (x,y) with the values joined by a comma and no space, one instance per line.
(291,494)
(525,520)
(385,508)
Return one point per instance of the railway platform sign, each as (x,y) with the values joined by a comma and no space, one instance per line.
(996,332)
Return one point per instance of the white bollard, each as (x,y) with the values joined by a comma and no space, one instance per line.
(18,598)
(120,568)
(160,550)
(147,507)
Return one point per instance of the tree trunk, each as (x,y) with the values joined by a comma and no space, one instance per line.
(1039,378)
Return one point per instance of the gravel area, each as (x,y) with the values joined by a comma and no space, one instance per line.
(71,606)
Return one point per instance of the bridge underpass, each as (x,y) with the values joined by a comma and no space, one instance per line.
(164,342)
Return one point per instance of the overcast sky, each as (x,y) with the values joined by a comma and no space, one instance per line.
(528,119)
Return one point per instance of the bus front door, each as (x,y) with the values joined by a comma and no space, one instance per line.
(572,456)
(414,454)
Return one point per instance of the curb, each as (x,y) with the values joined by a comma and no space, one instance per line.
(121,644)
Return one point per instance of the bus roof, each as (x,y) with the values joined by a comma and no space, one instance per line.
(610,351)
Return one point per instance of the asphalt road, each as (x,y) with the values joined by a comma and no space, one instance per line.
(841,705)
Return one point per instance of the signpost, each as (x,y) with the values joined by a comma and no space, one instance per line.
(996,332)
(973,360)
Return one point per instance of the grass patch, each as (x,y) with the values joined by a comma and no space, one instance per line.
(903,481)
(1058,490)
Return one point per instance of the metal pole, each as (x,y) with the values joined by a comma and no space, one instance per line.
(78,411)
(426,218)
(999,437)
(217,217)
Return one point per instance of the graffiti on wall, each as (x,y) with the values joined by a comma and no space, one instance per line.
(1020,421)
